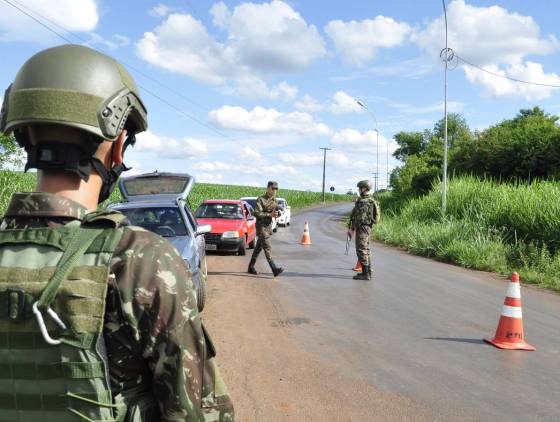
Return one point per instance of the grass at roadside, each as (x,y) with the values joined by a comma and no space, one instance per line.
(11,182)
(489,226)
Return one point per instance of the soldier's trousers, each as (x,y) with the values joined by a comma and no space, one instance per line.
(264,234)
(363,238)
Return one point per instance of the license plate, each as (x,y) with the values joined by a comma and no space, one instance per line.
(211,247)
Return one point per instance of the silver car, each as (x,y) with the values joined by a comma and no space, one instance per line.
(156,202)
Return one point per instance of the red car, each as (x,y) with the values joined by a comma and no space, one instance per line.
(233,225)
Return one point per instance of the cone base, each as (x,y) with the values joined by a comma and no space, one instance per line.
(305,242)
(510,346)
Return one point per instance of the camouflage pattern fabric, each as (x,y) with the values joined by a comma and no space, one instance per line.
(363,236)
(364,214)
(263,242)
(264,208)
(156,343)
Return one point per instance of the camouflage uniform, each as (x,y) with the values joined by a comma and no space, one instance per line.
(362,218)
(263,212)
(156,344)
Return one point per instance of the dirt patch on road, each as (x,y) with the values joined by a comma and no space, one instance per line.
(270,375)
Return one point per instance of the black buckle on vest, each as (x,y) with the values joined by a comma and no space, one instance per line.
(13,302)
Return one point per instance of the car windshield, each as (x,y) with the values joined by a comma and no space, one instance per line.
(229,211)
(252,202)
(282,203)
(165,221)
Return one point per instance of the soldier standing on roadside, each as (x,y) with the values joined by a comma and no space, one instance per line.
(364,215)
(265,210)
(100,317)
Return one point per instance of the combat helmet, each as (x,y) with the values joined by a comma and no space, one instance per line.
(76,88)
(364,184)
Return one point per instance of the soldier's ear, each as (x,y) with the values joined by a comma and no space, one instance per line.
(118,149)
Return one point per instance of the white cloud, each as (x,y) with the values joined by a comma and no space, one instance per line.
(335,159)
(170,147)
(262,120)
(497,40)
(72,15)
(271,170)
(112,43)
(358,42)
(344,103)
(209,177)
(251,155)
(485,35)
(161,10)
(452,106)
(504,88)
(308,103)
(353,139)
(261,39)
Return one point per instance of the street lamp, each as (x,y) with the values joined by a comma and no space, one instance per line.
(446,55)
(361,104)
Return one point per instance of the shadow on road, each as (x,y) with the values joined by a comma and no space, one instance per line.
(241,274)
(458,340)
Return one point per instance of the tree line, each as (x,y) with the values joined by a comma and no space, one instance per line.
(524,148)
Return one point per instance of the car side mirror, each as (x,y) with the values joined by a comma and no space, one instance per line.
(205,228)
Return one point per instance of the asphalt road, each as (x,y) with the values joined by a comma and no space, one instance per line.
(412,335)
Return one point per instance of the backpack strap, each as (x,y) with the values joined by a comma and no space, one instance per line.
(81,240)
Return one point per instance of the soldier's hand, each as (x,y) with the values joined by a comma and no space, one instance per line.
(275,214)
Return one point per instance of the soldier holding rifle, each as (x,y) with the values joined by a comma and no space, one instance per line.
(265,210)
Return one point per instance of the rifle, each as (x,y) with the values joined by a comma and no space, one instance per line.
(348,239)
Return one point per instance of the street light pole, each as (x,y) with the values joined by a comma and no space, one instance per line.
(324,168)
(361,104)
(447,56)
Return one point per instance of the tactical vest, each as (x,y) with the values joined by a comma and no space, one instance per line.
(367,212)
(53,283)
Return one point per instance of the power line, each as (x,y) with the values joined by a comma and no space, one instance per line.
(169,104)
(504,76)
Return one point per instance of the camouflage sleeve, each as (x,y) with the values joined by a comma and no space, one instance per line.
(158,305)
(350,223)
(261,210)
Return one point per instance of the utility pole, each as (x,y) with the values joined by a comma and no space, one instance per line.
(324,168)
(361,104)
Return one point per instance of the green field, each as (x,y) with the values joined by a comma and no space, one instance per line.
(11,182)
(489,226)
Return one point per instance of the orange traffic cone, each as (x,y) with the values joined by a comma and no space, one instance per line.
(509,334)
(306,239)
(358,267)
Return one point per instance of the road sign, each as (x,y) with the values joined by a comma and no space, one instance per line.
(332,188)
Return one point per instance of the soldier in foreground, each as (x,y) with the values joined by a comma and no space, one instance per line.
(364,215)
(99,317)
(265,210)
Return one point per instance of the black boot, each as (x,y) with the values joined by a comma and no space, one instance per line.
(251,269)
(364,275)
(275,270)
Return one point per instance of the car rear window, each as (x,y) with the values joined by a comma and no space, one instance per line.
(165,221)
(228,211)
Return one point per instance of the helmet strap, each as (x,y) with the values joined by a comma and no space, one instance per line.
(110,177)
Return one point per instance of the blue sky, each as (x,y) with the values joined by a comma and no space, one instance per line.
(266,84)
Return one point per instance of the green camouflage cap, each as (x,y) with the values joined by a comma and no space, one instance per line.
(74,86)
(364,184)
(272,184)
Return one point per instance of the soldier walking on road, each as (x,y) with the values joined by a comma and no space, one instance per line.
(265,210)
(100,317)
(364,215)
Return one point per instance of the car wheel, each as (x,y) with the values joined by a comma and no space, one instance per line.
(241,251)
(275,229)
(201,288)
(253,243)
